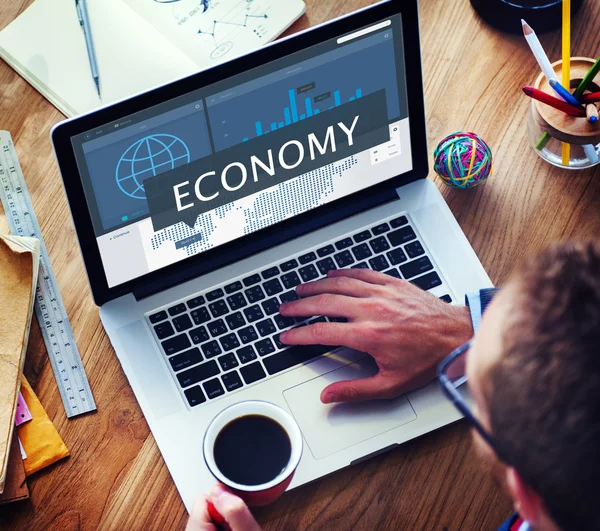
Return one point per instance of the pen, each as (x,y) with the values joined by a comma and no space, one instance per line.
(539,95)
(564,93)
(84,21)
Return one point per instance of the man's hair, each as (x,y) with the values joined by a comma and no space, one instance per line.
(544,398)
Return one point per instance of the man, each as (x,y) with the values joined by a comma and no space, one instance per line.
(533,372)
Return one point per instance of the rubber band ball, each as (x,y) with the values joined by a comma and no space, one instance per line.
(463,160)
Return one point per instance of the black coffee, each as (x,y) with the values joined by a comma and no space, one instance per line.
(252,450)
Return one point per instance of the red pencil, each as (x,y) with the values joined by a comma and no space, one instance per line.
(590,98)
(546,98)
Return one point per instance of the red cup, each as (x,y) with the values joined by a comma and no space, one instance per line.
(266,493)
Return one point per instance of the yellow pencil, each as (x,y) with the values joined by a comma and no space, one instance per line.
(566,65)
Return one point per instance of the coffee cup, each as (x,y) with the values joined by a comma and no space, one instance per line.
(253,448)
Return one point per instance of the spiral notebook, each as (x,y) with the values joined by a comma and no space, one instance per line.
(139,44)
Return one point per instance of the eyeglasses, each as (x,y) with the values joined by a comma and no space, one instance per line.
(453,379)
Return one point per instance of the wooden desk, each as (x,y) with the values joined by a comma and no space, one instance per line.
(116,477)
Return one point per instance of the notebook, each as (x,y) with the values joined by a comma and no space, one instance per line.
(139,44)
(19,263)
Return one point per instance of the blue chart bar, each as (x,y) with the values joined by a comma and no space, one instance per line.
(280,125)
(293,105)
(286,113)
(259,130)
(337,99)
(302,116)
(317,111)
(245,139)
(273,126)
(359,93)
(352,98)
(309,111)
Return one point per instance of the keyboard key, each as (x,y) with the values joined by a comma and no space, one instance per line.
(213,388)
(393,273)
(176,310)
(379,263)
(271,306)
(236,301)
(218,308)
(317,320)
(308,273)
(199,335)
(251,280)
(290,280)
(232,381)
(289,296)
(270,273)
(326,265)
(428,281)
(182,323)
(200,316)
(379,245)
(400,236)
(283,322)
(186,359)
(255,294)
(399,222)
(176,344)
(446,298)
(235,320)
(272,287)
(265,347)
(362,236)
(344,259)
(380,229)
(195,396)
(325,251)
(361,265)
(266,327)
(278,343)
(229,342)
(214,295)
(158,317)
(307,258)
(217,328)
(163,330)
(227,362)
(362,251)
(254,313)
(289,265)
(293,356)
(253,372)
(416,267)
(414,249)
(211,349)
(344,244)
(246,354)
(195,302)
(248,334)
(232,288)
(198,374)
(397,256)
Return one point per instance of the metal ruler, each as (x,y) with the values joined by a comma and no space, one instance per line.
(49,307)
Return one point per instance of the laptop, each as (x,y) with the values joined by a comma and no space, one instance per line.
(200,206)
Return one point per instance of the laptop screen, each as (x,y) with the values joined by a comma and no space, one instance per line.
(216,164)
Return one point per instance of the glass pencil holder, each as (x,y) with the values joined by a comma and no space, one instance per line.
(549,129)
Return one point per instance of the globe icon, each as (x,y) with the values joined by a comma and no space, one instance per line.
(146,158)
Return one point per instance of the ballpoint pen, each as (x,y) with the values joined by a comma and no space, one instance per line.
(84,21)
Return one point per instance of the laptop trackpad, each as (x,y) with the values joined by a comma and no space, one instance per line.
(330,428)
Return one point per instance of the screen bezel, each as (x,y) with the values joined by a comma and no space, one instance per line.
(280,232)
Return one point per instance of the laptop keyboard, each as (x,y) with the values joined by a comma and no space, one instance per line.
(227,338)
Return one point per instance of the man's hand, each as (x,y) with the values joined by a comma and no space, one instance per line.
(233,509)
(406,330)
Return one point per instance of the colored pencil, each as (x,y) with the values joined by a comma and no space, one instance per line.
(592,113)
(548,99)
(589,77)
(591,154)
(538,51)
(566,65)
(564,93)
(592,97)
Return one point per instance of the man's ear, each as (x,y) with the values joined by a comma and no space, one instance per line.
(526,501)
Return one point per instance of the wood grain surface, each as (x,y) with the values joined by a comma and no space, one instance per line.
(116,479)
